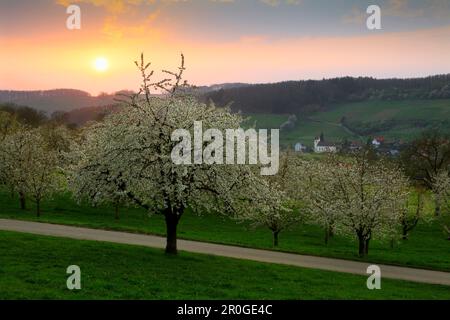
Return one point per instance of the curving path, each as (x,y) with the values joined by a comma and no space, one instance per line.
(338,265)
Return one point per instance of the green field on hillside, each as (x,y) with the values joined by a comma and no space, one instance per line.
(264,121)
(376,110)
(305,131)
(426,247)
(409,118)
(34,267)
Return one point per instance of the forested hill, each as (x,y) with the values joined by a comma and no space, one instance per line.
(296,97)
(55,100)
(67,100)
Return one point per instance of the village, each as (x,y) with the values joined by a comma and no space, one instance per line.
(379,144)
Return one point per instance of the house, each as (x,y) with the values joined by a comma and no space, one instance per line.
(321,146)
(392,149)
(394,152)
(355,145)
(376,142)
(299,147)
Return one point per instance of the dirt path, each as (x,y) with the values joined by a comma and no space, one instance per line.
(339,265)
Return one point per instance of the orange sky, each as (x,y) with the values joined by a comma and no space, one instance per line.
(63,58)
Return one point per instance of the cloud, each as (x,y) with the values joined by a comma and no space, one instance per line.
(401,8)
(439,8)
(112,6)
(432,9)
(120,6)
(356,16)
(113,27)
(118,10)
(275,3)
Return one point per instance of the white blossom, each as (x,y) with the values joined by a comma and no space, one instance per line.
(32,161)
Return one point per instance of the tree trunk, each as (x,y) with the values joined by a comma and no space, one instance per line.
(22,200)
(171,235)
(327,235)
(361,250)
(363,246)
(366,247)
(116,212)
(405,232)
(330,231)
(437,208)
(38,208)
(447,229)
(275,238)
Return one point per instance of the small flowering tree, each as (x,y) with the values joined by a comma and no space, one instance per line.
(14,152)
(315,186)
(274,203)
(97,187)
(33,165)
(8,126)
(411,213)
(131,151)
(98,192)
(46,176)
(369,196)
(441,190)
(426,157)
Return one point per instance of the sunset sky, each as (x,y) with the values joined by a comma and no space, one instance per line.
(223,41)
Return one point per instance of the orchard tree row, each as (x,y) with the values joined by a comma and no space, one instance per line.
(125,160)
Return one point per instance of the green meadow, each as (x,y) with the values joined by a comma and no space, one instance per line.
(427,246)
(34,267)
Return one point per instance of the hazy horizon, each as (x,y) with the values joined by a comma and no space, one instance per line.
(220,83)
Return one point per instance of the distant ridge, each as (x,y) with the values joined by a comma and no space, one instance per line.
(289,97)
(66,100)
(308,96)
(50,101)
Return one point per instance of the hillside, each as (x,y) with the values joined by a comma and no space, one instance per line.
(292,97)
(306,97)
(395,120)
(55,100)
(352,108)
(66,100)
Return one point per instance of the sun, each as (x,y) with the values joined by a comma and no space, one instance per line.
(101,64)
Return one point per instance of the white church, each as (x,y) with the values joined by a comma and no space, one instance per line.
(320,146)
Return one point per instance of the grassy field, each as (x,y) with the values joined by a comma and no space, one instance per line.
(405,111)
(427,246)
(305,130)
(375,110)
(34,267)
(264,121)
